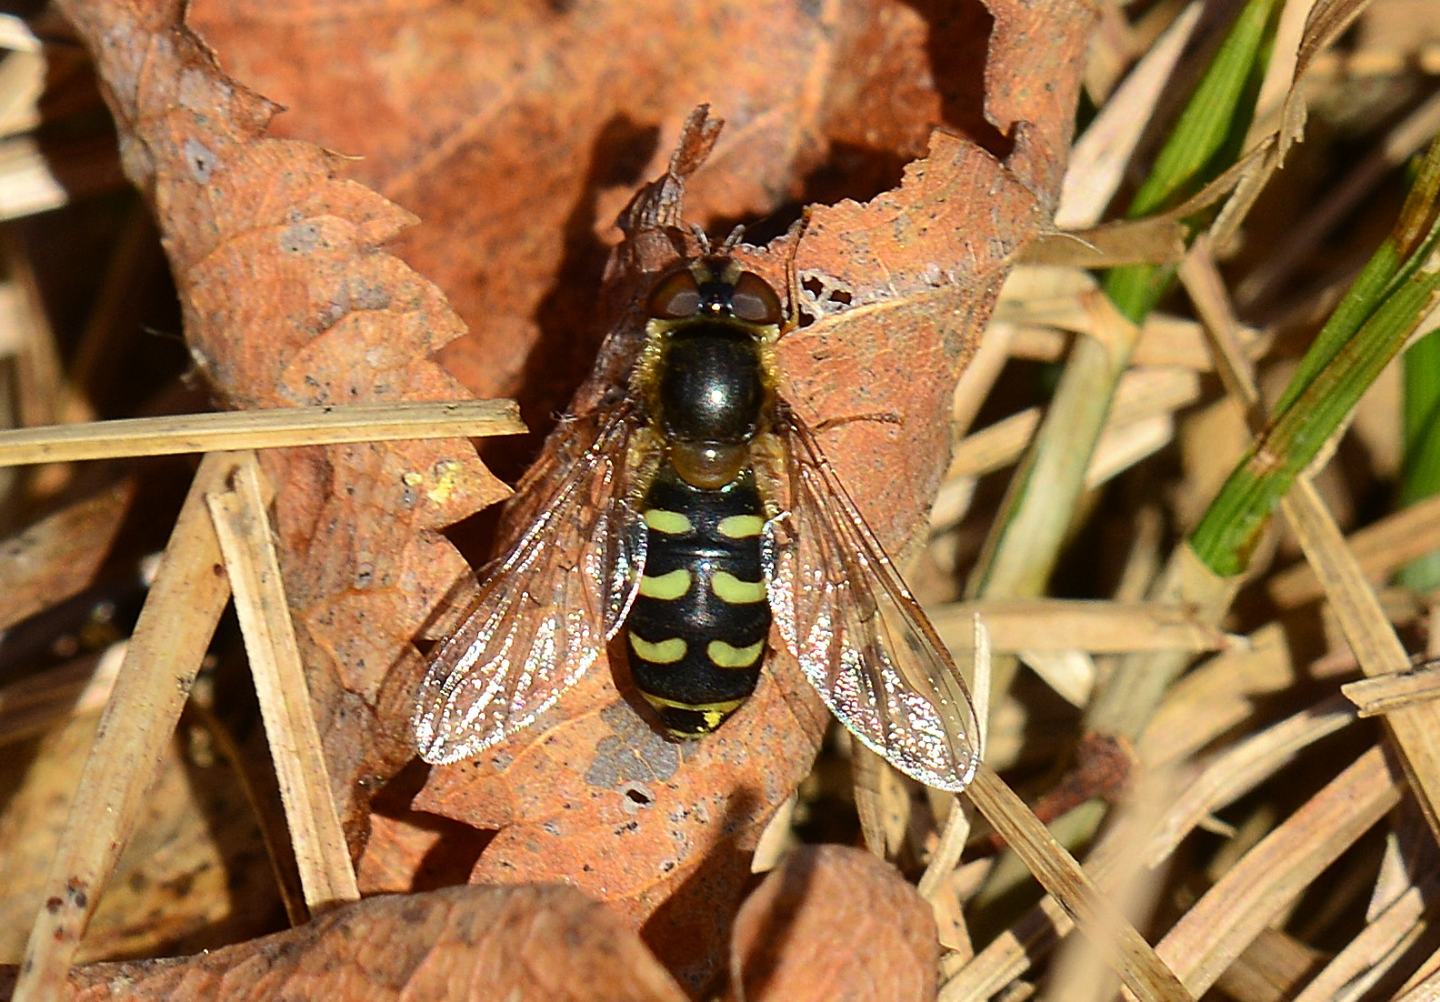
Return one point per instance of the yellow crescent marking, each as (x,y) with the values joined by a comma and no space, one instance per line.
(723,706)
(672,523)
(713,718)
(666,586)
(722,655)
(731,589)
(666,652)
(741,526)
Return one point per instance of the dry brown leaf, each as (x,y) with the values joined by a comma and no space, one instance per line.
(518,134)
(58,556)
(519,131)
(599,800)
(461,942)
(194,875)
(920,267)
(551,116)
(832,923)
(288,300)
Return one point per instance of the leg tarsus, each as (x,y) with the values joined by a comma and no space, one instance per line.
(881,417)
(792,273)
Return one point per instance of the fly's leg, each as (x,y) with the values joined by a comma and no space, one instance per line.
(767,457)
(643,456)
(792,274)
(880,417)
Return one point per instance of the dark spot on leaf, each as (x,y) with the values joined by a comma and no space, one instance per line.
(364,296)
(201,161)
(301,238)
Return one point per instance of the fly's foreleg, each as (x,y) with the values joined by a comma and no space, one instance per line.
(767,456)
(643,456)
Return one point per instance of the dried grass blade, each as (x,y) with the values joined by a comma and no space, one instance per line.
(1006,958)
(1388,693)
(1209,937)
(1380,548)
(1425,990)
(1241,768)
(254,569)
(882,801)
(1362,619)
(1416,727)
(166,647)
(1375,949)
(957,825)
(1100,156)
(1057,625)
(1138,965)
(260,429)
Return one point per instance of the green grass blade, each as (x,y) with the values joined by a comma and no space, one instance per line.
(1394,262)
(1420,477)
(1384,306)
(1025,542)
(1030,531)
(1206,139)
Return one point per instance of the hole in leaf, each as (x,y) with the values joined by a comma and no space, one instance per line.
(637,794)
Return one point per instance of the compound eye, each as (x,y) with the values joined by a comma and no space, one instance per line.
(677,296)
(753,300)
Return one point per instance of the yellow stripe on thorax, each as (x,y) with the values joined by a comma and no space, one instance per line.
(731,589)
(722,655)
(672,523)
(741,526)
(666,652)
(666,586)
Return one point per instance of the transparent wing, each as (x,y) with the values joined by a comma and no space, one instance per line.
(544,612)
(858,633)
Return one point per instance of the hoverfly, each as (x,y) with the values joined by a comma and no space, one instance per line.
(701,508)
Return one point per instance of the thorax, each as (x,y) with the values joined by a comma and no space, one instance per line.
(708,385)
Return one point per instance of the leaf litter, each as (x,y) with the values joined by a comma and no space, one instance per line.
(288,299)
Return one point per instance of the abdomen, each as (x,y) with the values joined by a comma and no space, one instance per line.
(696,633)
